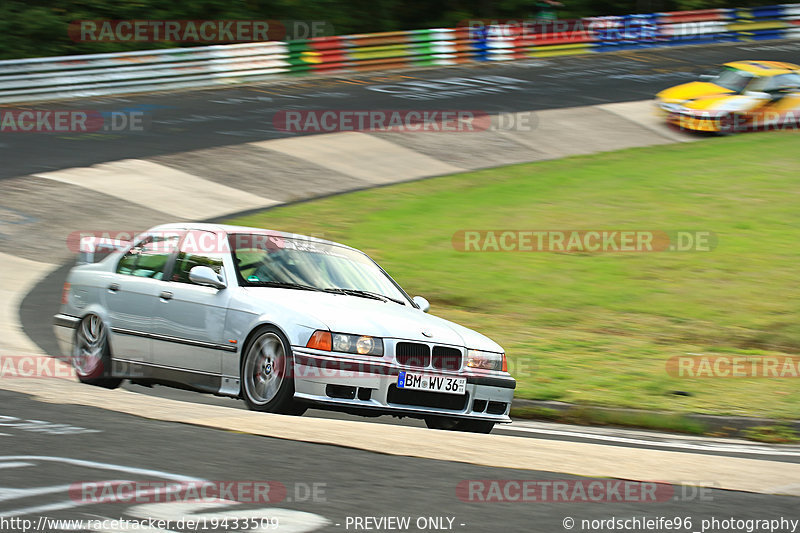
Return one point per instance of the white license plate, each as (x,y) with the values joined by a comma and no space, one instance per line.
(411,380)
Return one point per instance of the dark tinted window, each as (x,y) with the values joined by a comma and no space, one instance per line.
(732,79)
(784,82)
(199,248)
(187,261)
(149,257)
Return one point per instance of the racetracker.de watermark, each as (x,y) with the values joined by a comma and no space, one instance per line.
(34,366)
(579,491)
(727,122)
(591,241)
(72,121)
(192,241)
(733,366)
(405,120)
(564,31)
(196,31)
(140,492)
(47,367)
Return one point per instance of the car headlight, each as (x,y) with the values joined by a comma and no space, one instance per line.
(486,360)
(343,342)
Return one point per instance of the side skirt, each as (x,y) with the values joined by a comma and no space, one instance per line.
(150,374)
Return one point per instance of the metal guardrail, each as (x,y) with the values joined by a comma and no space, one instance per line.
(49,78)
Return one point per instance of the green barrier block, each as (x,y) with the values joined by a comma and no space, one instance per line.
(427,48)
(298,46)
(297,62)
(422,36)
(301,69)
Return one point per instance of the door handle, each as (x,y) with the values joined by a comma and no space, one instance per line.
(114,287)
(166,295)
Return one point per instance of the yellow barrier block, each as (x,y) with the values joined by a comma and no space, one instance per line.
(311,57)
(751,26)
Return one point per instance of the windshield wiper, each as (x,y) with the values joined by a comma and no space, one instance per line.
(364,294)
(334,290)
(284,285)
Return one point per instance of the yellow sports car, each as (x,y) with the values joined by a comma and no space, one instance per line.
(744,95)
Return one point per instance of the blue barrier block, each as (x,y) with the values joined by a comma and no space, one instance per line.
(772,12)
(702,39)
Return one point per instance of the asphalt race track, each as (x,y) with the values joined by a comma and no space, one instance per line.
(340,473)
(348,482)
(203,119)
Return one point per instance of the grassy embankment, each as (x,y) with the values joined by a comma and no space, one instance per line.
(598,328)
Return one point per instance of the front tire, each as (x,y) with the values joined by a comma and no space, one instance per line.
(459,424)
(267,374)
(91,357)
(727,125)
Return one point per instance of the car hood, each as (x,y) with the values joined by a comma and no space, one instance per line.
(689,91)
(362,316)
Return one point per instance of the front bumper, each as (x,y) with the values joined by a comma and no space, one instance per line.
(664,109)
(686,121)
(370,385)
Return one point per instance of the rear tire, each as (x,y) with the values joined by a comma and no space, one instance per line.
(459,424)
(267,374)
(91,357)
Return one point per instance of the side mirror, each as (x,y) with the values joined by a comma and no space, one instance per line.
(203,275)
(423,304)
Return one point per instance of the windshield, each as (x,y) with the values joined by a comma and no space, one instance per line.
(732,79)
(273,260)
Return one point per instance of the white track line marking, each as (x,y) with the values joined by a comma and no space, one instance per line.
(8,494)
(105,466)
(291,520)
(14,465)
(13,494)
(69,504)
(731,448)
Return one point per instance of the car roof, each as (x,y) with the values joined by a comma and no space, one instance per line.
(229,229)
(764,68)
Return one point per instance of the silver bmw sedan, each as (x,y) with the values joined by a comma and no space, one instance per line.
(282,321)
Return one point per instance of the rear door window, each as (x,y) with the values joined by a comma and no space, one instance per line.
(149,257)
